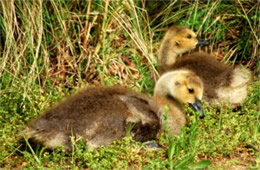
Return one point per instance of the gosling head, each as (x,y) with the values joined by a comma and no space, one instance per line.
(181,86)
(178,40)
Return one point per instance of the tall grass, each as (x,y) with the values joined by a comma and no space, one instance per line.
(48,48)
(93,41)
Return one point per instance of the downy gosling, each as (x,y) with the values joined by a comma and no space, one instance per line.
(222,83)
(101,115)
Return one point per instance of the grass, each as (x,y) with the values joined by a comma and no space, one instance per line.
(50,49)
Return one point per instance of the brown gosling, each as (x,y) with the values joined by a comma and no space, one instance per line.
(101,115)
(222,83)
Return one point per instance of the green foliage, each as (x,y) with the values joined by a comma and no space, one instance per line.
(49,49)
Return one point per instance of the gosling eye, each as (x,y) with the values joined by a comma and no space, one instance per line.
(190,90)
(189,36)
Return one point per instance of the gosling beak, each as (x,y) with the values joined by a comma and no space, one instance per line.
(202,42)
(197,107)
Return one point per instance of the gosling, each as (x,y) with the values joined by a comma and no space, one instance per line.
(101,115)
(222,83)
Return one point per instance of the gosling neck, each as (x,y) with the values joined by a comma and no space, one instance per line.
(168,54)
(164,97)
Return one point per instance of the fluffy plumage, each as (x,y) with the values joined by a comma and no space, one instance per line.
(222,83)
(101,115)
